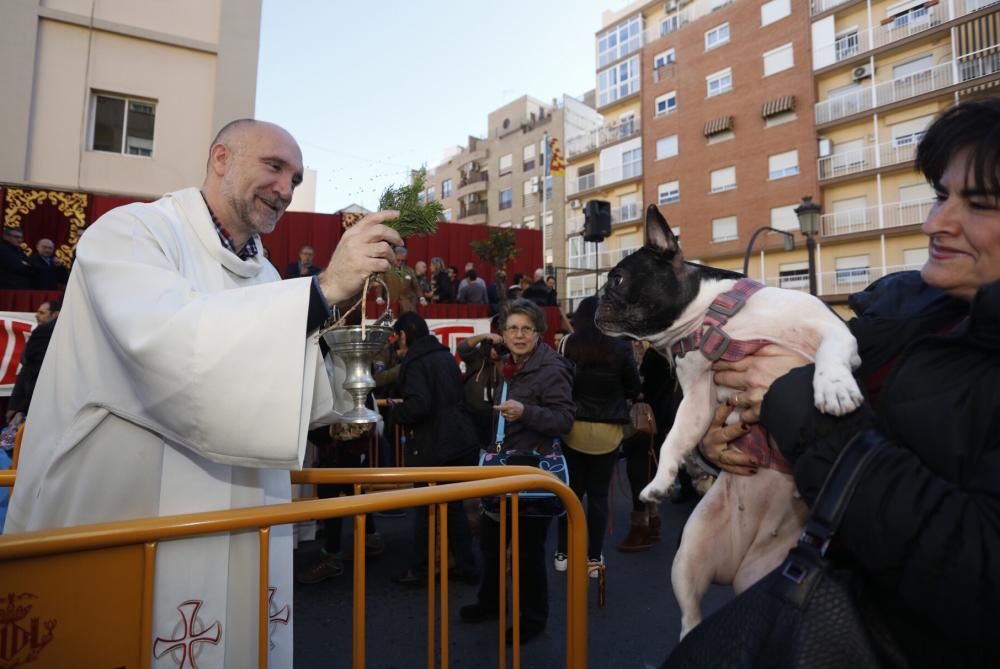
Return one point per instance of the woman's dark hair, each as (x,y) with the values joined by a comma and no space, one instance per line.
(471,275)
(529,309)
(588,345)
(974,125)
(413,325)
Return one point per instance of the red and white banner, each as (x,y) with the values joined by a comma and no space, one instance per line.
(15,326)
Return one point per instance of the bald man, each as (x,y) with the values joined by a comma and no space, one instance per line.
(182,378)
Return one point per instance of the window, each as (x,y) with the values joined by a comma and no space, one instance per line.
(618,81)
(784,218)
(719,82)
(777,60)
(585,178)
(849,215)
(668,193)
(717,36)
(528,153)
(913,67)
(632,163)
(626,125)
(447,214)
(506,198)
(446,188)
(430,194)
(782,165)
(629,208)
(724,229)
(122,125)
(506,163)
(723,179)
(911,17)
(666,147)
(916,192)
(670,24)
(619,41)
(852,271)
(724,136)
(793,275)
(910,132)
(915,258)
(774,11)
(780,119)
(580,255)
(664,59)
(528,222)
(666,103)
(847,44)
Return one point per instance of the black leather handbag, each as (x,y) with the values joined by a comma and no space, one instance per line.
(807,613)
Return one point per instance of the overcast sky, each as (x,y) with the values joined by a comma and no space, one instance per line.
(373,89)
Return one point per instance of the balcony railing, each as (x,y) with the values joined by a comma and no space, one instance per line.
(866,158)
(474,209)
(839,281)
(601,137)
(609,259)
(979,64)
(604,178)
(864,219)
(628,213)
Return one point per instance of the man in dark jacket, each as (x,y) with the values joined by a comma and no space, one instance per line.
(539,292)
(32,357)
(438,432)
(16,271)
(50,272)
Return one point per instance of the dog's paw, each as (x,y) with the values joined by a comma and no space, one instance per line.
(655,492)
(836,393)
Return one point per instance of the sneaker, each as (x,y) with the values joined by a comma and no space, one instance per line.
(594,567)
(328,566)
(560,562)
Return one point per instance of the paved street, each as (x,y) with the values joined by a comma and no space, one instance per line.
(637,628)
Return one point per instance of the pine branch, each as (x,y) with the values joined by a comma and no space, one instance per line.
(415,218)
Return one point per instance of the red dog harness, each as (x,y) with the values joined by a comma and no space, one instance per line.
(715,344)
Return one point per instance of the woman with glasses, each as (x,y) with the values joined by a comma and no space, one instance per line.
(539,409)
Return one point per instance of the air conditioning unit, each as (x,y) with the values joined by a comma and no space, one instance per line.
(861,72)
(574,204)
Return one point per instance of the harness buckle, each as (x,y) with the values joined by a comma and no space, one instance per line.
(728,304)
(714,343)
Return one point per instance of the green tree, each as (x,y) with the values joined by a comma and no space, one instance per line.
(499,248)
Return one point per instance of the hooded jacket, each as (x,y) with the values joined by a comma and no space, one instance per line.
(544,385)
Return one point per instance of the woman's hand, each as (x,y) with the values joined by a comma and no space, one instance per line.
(512,410)
(715,446)
(753,375)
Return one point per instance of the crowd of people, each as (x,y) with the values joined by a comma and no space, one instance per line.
(922,527)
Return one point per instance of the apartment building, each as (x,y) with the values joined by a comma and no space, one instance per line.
(121,97)
(883,70)
(501,179)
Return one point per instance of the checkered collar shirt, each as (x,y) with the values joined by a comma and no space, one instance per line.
(249,249)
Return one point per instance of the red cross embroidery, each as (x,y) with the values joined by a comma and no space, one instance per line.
(275,615)
(188,637)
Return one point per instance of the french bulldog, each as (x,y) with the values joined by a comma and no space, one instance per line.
(745,525)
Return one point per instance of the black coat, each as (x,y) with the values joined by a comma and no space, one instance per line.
(601,387)
(544,385)
(438,428)
(48,276)
(923,525)
(16,271)
(31,364)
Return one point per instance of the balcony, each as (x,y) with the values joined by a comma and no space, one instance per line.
(872,156)
(609,177)
(474,212)
(477,156)
(983,63)
(905,25)
(574,225)
(866,219)
(838,282)
(626,214)
(601,137)
(820,6)
(474,182)
(608,259)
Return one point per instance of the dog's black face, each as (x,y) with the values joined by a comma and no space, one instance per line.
(647,291)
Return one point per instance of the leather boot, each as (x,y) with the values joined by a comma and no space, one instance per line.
(654,529)
(638,535)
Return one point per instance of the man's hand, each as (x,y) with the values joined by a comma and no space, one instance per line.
(715,446)
(753,375)
(365,249)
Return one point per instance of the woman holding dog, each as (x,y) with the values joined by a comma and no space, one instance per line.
(538,409)
(923,526)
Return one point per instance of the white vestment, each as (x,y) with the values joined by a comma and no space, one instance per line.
(179,379)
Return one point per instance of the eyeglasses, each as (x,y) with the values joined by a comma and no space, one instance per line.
(513,330)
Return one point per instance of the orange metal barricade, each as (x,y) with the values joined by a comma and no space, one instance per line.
(63,568)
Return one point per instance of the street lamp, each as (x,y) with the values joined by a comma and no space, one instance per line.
(808,213)
(789,244)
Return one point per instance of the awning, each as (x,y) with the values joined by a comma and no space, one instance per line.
(778,105)
(720,124)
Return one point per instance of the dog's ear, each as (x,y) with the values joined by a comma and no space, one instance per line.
(658,234)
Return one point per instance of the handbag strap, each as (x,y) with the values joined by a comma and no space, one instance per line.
(831,503)
(501,421)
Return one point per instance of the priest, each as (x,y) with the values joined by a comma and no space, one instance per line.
(183,377)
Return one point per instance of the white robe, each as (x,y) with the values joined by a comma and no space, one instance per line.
(179,379)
